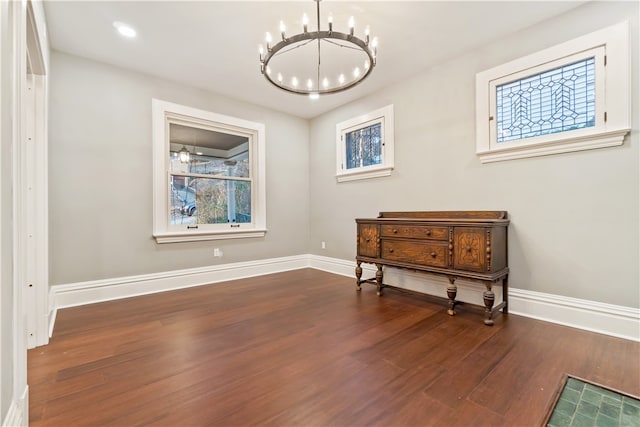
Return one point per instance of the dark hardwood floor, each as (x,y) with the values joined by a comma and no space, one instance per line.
(303,348)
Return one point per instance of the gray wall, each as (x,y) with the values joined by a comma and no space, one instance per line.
(6,207)
(574,217)
(100,176)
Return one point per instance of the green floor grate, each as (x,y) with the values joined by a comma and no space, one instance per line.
(587,405)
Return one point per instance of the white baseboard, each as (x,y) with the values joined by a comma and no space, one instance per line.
(608,319)
(52,320)
(615,320)
(74,294)
(18,413)
(53,310)
(618,321)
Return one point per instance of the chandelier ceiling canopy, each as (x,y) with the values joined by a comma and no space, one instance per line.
(318,62)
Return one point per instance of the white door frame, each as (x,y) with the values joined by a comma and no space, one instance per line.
(20,388)
(33,187)
(29,66)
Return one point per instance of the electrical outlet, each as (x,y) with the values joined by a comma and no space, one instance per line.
(324,245)
(217,252)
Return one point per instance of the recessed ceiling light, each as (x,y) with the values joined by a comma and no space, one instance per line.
(124,29)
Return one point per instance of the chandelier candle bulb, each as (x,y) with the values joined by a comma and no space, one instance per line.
(352,25)
(330,21)
(305,22)
(325,83)
(283,28)
(268,39)
(309,83)
(366,35)
(294,81)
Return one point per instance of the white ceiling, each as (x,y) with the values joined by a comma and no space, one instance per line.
(212,45)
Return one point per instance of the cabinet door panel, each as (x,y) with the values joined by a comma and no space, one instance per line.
(368,240)
(469,249)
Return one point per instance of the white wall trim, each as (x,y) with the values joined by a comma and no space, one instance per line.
(53,312)
(18,413)
(608,319)
(590,142)
(81,293)
(14,415)
(615,320)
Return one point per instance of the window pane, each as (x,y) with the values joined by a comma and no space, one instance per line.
(364,146)
(557,100)
(206,165)
(209,201)
(207,152)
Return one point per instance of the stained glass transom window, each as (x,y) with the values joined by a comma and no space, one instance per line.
(364,146)
(557,100)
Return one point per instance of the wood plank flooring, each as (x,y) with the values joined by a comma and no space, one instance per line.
(303,348)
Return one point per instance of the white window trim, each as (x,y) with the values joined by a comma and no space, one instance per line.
(385,116)
(162,230)
(613,99)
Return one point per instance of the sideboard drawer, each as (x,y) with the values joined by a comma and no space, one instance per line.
(421,253)
(416,232)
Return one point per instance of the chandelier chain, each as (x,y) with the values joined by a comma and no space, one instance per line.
(318,29)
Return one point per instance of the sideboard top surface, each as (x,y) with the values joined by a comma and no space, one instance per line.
(498,217)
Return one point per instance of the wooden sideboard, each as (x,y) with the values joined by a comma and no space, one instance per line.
(468,244)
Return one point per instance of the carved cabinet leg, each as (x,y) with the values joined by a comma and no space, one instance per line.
(505,294)
(452,291)
(379,279)
(358,275)
(489,298)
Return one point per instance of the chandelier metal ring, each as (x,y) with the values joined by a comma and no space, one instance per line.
(346,40)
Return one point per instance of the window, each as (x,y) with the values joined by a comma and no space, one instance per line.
(208,175)
(573,96)
(557,100)
(365,146)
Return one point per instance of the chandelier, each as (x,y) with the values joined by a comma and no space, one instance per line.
(294,64)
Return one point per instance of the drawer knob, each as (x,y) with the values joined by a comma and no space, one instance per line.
(468,248)
(395,231)
(433,254)
(428,233)
(390,250)
(367,240)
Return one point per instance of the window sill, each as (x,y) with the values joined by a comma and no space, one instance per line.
(196,236)
(566,145)
(364,174)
